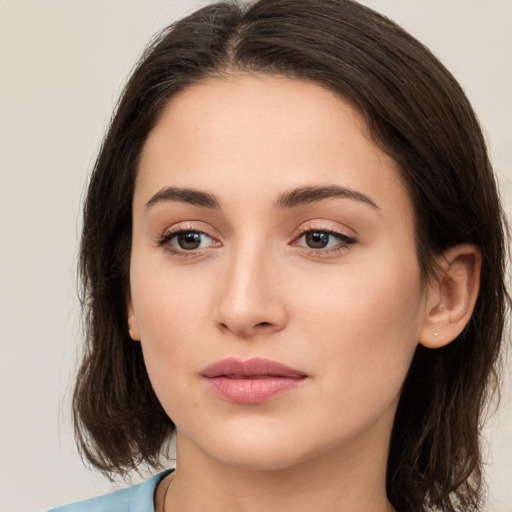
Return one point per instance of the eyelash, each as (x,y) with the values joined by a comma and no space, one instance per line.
(165,241)
(345,241)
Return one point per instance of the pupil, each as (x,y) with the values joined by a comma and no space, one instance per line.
(189,240)
(317,239)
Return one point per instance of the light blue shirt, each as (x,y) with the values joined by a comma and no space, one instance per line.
(137,498)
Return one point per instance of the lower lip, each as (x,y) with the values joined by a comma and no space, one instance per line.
(251,391)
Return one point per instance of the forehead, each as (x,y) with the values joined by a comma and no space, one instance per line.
(256,109)
(254,134)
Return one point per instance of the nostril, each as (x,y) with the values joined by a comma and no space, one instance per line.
(263,324)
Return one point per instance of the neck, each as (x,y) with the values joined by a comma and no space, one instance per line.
(353,480)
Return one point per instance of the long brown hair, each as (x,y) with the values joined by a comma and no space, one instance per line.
(419,115)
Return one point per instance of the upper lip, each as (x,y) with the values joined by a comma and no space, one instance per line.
(250,368)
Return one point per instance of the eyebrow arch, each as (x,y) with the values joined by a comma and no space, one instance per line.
(184,195)
(290,199)
(307,195)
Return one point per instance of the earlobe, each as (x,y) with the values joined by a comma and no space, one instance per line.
(452,297)
(133,327)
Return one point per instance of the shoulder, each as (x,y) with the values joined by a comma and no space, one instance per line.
(137,498)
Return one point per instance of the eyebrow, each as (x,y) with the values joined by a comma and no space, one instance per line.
(289,199)
(184,195)
(307,195)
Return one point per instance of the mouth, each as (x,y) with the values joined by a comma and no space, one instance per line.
(253,381)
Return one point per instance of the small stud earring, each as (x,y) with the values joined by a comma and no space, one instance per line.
(436,334)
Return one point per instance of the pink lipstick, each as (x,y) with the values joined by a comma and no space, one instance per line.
(253,381)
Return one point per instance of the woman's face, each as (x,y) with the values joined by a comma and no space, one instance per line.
(269,230)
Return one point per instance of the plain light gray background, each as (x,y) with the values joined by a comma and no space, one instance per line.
(62,66)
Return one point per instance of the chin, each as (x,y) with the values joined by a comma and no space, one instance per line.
(252,449)
(263,449)
(259,458)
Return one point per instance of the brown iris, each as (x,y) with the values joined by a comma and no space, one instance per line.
(317,239)
(189,240)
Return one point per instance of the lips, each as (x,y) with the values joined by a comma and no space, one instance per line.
(252,381)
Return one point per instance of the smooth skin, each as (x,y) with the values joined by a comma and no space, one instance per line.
(328,284)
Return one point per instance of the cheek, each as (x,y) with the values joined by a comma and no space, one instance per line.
(361,298)
(365,322)
(173,312)
(167,304)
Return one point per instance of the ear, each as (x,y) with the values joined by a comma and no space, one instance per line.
(452,296)
(133,327)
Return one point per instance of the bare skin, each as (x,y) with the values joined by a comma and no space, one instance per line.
(327,284)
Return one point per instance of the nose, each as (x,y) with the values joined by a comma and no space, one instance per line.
(251,301)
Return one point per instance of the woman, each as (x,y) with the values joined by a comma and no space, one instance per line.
(293,259)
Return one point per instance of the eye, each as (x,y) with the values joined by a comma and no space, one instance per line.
(328,240)
(186,241)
